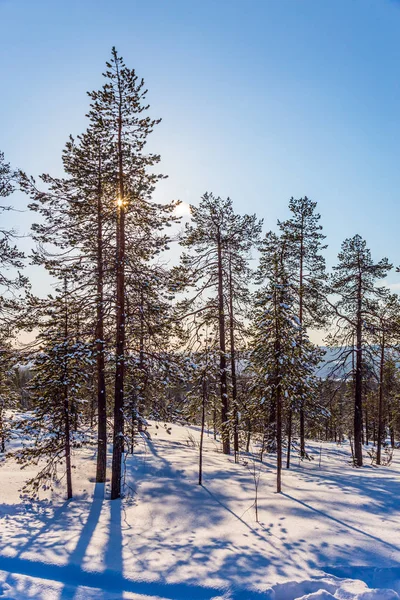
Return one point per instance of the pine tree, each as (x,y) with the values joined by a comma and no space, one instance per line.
(103,222)
(212,270)
(304,240)
(354,280)
(59,372)
(119,107)
(277,359)
(244,235)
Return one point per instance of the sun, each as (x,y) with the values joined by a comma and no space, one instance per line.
(183,209)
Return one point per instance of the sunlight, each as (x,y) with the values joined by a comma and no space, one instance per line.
(183,209)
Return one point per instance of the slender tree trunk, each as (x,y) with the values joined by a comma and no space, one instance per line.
(101,468)
(358,427)
(222,351)
(233,367)
(366,425)
(214,420)
(2,432)
(278,395)
(248,437)
(380,405)
(118,438)
(67,444)
(67,426)
(203,418)
(301,300)
(289,439)
(141,359)
(278,438)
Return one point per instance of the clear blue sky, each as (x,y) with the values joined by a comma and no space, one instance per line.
(260,99)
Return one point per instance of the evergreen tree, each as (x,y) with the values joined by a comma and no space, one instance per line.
(215,268)
(276,358)
(59,372)
(104,224)
(304,240)
(244,235)
(119,107)
(354,281)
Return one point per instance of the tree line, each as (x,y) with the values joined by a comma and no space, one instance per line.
(211,341)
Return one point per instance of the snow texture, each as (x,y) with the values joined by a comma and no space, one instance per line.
(333,533)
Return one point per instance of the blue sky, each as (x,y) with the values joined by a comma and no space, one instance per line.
(260,100)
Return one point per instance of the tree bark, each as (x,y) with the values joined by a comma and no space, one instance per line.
(278,395)
(358,433)
(302,427)
(203,418)
(289,439)
(233,368)
(118,438)
(380,405)
(67,444)
(222,351)
(101,468)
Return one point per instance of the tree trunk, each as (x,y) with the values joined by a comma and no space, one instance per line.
(380,405)
(222,351)
(67,444)
(248,436)
(140,405)
(233,368)
(2,432)
(203,417)
(278,395)
(118,438)
(302,428)
(358,428)
(289,439)
(67,427)
(101,468)
(214,420)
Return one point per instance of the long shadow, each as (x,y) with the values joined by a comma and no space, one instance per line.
(110,581)
(384,490)
(342,523)
(254,531)
(113,557)
(87,532)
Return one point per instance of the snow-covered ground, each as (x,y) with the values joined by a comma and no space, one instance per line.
(333,533)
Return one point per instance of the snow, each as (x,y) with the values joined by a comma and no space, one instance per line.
(333,533)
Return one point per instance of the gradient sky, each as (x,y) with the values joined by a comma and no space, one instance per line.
(260,100)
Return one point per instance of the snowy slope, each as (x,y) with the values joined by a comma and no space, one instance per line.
(173,539)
